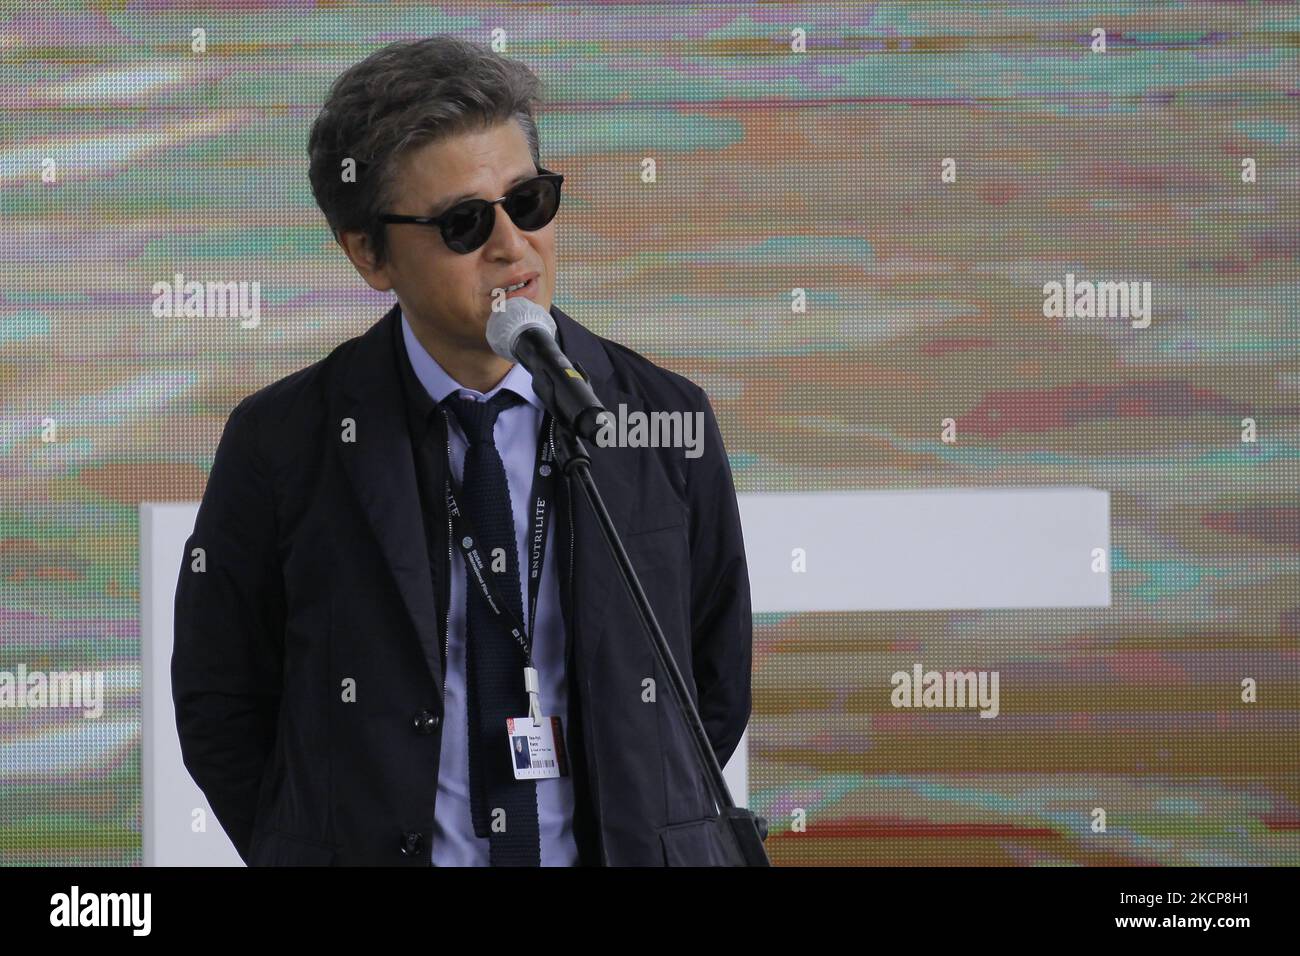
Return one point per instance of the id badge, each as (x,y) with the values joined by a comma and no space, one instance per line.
(536,748)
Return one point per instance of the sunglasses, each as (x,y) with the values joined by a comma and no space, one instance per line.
(466,226)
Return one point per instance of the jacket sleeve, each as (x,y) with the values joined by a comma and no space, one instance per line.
(227,652)
(721,620)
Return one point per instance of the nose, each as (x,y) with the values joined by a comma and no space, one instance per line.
(505,233)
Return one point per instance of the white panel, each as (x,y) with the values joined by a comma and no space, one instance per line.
(170,794)
(736,772)
(928,549)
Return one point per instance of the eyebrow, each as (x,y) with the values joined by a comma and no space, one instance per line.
(438,208)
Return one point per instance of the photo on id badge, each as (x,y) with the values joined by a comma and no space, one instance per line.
(536,748)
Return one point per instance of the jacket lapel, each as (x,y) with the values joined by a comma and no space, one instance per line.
(382,471)
(616,483)
(615,477)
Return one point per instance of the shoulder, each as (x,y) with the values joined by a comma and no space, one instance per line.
(659,386)
(306,384)
(279,414)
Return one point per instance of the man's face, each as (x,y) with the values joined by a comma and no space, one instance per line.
(450,294)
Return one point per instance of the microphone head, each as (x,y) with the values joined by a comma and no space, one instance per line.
(520,314)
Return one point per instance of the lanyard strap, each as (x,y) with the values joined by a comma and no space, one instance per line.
(541,497)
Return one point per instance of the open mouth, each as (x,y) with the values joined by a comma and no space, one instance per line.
(526,288)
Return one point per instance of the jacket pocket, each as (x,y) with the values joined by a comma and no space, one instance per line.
(273,848)
(697,843)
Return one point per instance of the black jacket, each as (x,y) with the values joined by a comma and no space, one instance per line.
(307,660)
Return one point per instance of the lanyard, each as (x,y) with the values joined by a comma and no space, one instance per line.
(541,496)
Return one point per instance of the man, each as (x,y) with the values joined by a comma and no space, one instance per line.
(522,756)
(342,681)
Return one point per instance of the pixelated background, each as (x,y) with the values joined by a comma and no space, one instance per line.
(776,170)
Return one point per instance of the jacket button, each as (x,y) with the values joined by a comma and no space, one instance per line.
(412,842)
(425,722)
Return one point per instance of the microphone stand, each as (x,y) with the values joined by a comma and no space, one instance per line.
(742,832)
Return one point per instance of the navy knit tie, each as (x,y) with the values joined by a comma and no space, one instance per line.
(494,663)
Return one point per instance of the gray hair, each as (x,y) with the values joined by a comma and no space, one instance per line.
(401,97)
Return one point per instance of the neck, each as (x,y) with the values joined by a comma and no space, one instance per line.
(476,368)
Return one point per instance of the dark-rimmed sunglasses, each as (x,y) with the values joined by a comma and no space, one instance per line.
(467,225)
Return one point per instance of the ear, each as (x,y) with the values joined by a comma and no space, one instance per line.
(356,244)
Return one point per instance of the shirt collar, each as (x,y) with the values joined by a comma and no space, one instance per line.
(439,384)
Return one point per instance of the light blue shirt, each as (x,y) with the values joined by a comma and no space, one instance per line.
(515,434)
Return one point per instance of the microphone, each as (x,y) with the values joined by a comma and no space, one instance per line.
(524,332)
